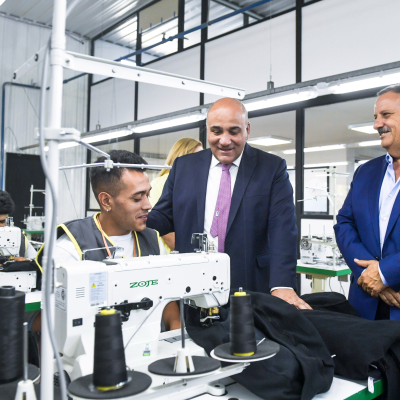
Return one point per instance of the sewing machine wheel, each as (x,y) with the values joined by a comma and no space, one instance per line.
(83,387)
(266,349)
(202,366)
(305,244)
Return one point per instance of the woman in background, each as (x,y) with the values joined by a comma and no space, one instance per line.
(180,148)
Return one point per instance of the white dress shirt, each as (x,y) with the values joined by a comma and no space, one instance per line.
(65,250)
(214,179)
(389,191)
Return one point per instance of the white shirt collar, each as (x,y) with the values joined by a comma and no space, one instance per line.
(215,162)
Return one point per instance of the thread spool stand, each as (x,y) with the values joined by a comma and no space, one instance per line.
(110,379)
(184,364)
(243,347)
(14,347)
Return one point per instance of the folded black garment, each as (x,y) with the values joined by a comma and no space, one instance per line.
(28,265)
(360,345)
(302,368)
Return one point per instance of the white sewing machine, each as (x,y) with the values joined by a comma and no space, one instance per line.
(10,243)
(140,288)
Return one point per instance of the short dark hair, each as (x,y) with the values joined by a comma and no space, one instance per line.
(7,205)
(392,88)
(109,181)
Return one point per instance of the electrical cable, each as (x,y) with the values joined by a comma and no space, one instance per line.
(47,263)
(15,138)
(69,189)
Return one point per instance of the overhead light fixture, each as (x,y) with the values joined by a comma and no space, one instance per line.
(269,140)
(279,99)
(168,123)
(366,127)
(318,148)
(96,138)
(370,143)
(378,79)
(128,62)
(107,136)
(332,164)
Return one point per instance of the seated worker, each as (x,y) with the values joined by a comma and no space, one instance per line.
(122,194)
(7,207)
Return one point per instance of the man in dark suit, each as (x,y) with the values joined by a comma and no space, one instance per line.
(368,229)
(241,198)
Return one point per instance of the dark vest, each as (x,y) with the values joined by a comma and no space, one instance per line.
(24,245)
(85,235)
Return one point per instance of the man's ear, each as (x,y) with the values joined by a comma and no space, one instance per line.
(105,200)
(248,130)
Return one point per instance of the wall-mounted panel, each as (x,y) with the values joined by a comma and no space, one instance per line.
(341,36)
(112,103)
(155,100)
(243,59)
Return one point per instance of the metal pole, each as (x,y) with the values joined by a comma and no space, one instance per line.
(56,90)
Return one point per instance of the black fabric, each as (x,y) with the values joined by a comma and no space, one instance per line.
(302,368)
(330,301)
(383,311)
(358,343)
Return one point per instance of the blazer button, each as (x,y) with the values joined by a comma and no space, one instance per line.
(376,258)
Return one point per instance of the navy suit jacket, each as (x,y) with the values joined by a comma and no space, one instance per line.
(357,234)
(261,233)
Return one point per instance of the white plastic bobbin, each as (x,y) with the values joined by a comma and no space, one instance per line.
(216,388)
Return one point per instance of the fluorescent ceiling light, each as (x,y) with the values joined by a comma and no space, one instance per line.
(107,136)
(362,161)
(152,126)
(332,164)
(95,138)
(366,127)
(128,62)
(273,100)
(369,81)
(318,148)
(370,143)
(269,140)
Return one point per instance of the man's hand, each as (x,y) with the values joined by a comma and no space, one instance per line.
(390,297)
(20,259)
(370,280)
(291,297)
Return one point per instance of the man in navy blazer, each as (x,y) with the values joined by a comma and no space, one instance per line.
(261,231)
(368,228)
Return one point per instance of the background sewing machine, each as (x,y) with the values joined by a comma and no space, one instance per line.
(139,288)
(10,244)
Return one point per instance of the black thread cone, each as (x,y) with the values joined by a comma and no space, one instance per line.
(243,337)
(109,367)
(12,306)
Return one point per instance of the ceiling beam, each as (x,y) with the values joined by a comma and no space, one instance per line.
(236,7)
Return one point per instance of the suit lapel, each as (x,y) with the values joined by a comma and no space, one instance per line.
(394,216)
(201,173)
(245,172)
(373,196)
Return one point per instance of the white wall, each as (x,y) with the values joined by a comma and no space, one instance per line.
(19,41)
(156,100)
(342,35)
(242,59)
(112,102)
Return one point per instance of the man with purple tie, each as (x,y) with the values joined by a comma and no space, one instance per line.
(241,198)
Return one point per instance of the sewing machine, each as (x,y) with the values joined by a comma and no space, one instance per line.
(139,288)
(10,243)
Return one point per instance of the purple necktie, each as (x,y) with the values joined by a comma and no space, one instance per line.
(220,220)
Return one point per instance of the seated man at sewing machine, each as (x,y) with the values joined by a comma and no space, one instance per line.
(26,250)
(119,229)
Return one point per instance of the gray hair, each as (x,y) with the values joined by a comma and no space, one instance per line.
(244,110)
(392,88)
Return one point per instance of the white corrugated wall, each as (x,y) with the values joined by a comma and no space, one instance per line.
(18,42)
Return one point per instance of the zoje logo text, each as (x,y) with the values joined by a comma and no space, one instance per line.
(144,283)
